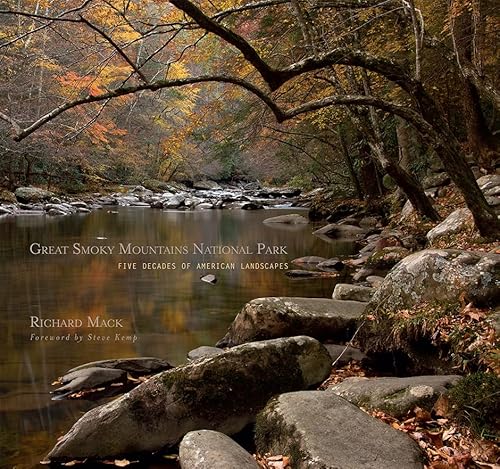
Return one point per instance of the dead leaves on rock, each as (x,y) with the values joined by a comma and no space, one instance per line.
(337,375)
(446,445)
(267,461)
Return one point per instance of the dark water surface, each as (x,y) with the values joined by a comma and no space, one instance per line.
(168,311)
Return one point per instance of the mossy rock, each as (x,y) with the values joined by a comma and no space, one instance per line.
(222,393)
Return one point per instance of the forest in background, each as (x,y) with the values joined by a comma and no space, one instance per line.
(340,93)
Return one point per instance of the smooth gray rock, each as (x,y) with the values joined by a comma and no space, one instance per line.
(331,264)
(346,291)
(319,429)
(203,352)
(135,366)
(265,318)
(174,202)
(440,275)
(457,221)
(396,396)
(222,393)
(343,355)
(436,180)
(32,194)
(375,280)
(334,230)
(289,219)
(89,378)
(207,184)
(310,274)
(489,183)
(206,449)
(308,260)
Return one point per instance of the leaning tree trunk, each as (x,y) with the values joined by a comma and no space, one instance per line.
(409,184)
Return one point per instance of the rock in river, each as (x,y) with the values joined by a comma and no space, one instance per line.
(135,366)
(265,318)
(222,393)
(89,378)
(206,449)
(289,219)
(321,430)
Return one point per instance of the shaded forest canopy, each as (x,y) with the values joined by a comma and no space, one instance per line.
(329,92)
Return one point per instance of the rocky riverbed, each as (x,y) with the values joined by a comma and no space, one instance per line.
(405,311)
(205,195)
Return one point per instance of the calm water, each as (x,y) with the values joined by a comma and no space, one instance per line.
(169,311)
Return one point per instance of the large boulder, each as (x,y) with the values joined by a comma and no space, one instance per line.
(441,275)
(289,219)
(405,320)
(265,318)
(32,194)
(222,393)
(457,221)
(206,449)
(318,429)
(395,396)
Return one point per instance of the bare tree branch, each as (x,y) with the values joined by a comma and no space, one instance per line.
(154,86)
(117,48)
(12,122)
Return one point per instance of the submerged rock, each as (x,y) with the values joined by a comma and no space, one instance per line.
(338,231)
(395,396)
(321,430)
(206,449)
(313,260)
(265,318)
(289,219)
(222,393)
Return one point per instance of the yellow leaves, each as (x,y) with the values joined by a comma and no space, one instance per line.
(177,70)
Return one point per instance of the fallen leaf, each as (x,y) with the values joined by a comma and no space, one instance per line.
(121,462)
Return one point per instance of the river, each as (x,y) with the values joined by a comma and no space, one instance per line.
(71,268)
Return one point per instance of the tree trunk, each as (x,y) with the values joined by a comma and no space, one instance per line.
(467,35)
(350,166)
(482,143)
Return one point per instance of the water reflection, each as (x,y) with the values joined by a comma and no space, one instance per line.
(164,313)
